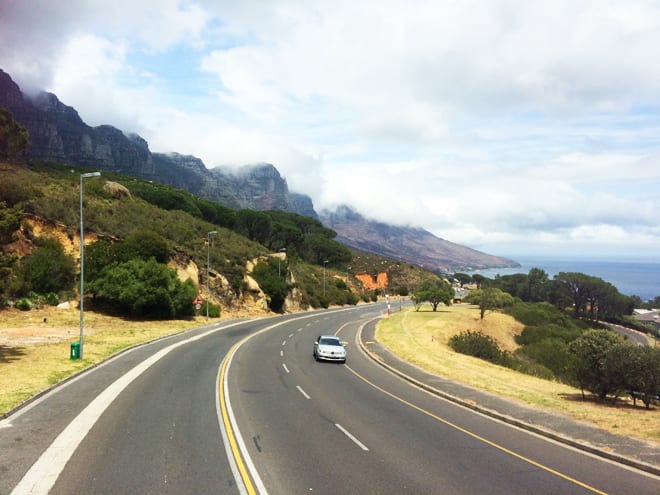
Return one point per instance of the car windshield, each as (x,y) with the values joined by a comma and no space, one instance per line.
(329,341)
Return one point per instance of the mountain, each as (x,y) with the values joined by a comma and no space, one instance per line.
(57,133)
(412,245)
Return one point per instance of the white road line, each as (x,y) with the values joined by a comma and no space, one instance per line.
(290,335)
(284,342)
(357,442)
(300,330)
(281,353)
(285,368)
(303,392)
(43,474)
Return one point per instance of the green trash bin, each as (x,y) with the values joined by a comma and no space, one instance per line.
(75,350)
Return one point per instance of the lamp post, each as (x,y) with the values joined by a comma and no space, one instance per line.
(279,262)
(82,257)
(208,262)
(324,263)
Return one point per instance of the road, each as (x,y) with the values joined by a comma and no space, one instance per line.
(157,420)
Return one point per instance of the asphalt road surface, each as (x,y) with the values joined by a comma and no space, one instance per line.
(242,407)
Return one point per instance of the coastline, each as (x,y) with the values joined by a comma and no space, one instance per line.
(630,277)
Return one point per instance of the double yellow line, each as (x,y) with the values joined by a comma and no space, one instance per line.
(231,437)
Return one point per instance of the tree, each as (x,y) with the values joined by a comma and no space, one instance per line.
(537,285)
(254,225)
(644,373)
(435,292)
(463,278)
(14,140)
(489,298)
(572,286)
(479,279)
(590,351)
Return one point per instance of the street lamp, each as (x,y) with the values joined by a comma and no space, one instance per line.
(82,258)
(208,262)
(324,263)
(279,262)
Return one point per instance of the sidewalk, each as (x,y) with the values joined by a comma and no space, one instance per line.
(632,452)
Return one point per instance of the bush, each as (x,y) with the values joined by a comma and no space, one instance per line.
(24,304)
(552,354)
(538,333)
(273,285)
(52,299)
(47,269)
(145,288)
(478,345)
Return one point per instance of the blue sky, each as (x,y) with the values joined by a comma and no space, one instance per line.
(513,127)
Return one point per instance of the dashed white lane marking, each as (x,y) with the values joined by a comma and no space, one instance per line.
(284,342)
(281,353)
(355,440)
(303,392)
(285,368)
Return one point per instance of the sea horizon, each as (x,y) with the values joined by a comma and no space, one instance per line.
(634,277)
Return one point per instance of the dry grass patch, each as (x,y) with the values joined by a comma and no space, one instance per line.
(421,338)
(34,353)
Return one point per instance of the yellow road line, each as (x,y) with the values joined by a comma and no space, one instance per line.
(228,428)
(478,437)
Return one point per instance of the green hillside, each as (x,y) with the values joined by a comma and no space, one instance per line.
(128,219)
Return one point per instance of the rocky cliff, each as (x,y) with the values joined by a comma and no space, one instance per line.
(58,133)
(412,245)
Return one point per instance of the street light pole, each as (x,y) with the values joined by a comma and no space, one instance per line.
(82,258)
(208,262)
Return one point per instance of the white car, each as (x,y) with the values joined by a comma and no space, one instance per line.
(329,348)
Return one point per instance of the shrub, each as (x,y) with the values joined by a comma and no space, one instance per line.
(52,299)
(47,269)
(145,288)
(537,333)
(273,285)
(478,345)
(24,304)
(552,354)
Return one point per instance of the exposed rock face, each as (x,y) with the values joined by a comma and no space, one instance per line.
(58,133)
(412,245)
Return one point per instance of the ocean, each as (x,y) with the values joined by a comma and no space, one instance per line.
(632,278)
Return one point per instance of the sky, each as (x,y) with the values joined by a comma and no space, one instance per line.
(515,127)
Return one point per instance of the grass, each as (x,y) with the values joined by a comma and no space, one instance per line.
(421,338)
(28,368)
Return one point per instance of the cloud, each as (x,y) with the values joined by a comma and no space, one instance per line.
(495,123)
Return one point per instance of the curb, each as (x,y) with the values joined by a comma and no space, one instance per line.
(642,466)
